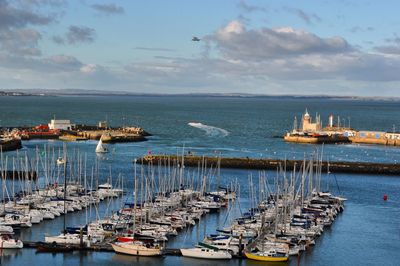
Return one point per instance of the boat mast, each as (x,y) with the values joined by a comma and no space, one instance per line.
(134,195)
(3,175)
(65,185)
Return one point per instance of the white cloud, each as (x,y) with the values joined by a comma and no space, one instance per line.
(234,41)
(89,68)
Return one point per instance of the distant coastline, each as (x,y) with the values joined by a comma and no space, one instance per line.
(83,92)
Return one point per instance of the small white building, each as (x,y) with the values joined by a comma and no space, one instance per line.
(102,124)
(60,124)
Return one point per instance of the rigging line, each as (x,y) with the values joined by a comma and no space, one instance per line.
(337,184)
(228,213)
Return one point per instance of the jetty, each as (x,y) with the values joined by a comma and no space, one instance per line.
(113,135)
(66,131)
(273,164)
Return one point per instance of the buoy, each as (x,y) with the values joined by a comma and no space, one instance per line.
(385,197)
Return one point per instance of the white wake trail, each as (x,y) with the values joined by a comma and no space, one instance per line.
(210,130)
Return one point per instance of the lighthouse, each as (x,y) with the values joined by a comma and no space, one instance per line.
(308,125)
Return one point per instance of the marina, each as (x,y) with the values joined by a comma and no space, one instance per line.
(284,219)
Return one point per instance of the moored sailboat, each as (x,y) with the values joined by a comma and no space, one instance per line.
(270,255)
(205,251)
(137,248)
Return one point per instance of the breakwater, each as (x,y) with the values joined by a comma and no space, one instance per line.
(273,164)
(75,133)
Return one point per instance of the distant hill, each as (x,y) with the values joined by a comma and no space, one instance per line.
(88,92)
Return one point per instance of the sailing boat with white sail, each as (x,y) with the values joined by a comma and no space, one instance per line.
(100,148)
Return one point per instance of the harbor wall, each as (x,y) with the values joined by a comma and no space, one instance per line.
(376,137)
(299,139)
(273,164)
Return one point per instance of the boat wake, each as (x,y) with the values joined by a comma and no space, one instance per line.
(210,130)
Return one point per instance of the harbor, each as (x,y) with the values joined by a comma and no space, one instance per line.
(365,193)
(169,133)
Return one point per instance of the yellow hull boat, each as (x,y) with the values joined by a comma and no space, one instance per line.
(253,256)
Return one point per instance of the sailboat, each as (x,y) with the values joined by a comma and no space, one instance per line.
(137,248)
(100,148)
(269,255)
(134,247)
(205,251)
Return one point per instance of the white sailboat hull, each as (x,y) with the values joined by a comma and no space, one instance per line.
(202,254)
(66,239)
(135,250)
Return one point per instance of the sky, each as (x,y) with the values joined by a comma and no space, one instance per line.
(303,47)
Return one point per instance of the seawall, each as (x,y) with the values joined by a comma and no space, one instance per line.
(273,164)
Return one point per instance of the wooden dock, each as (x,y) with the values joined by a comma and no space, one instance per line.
(273,164)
